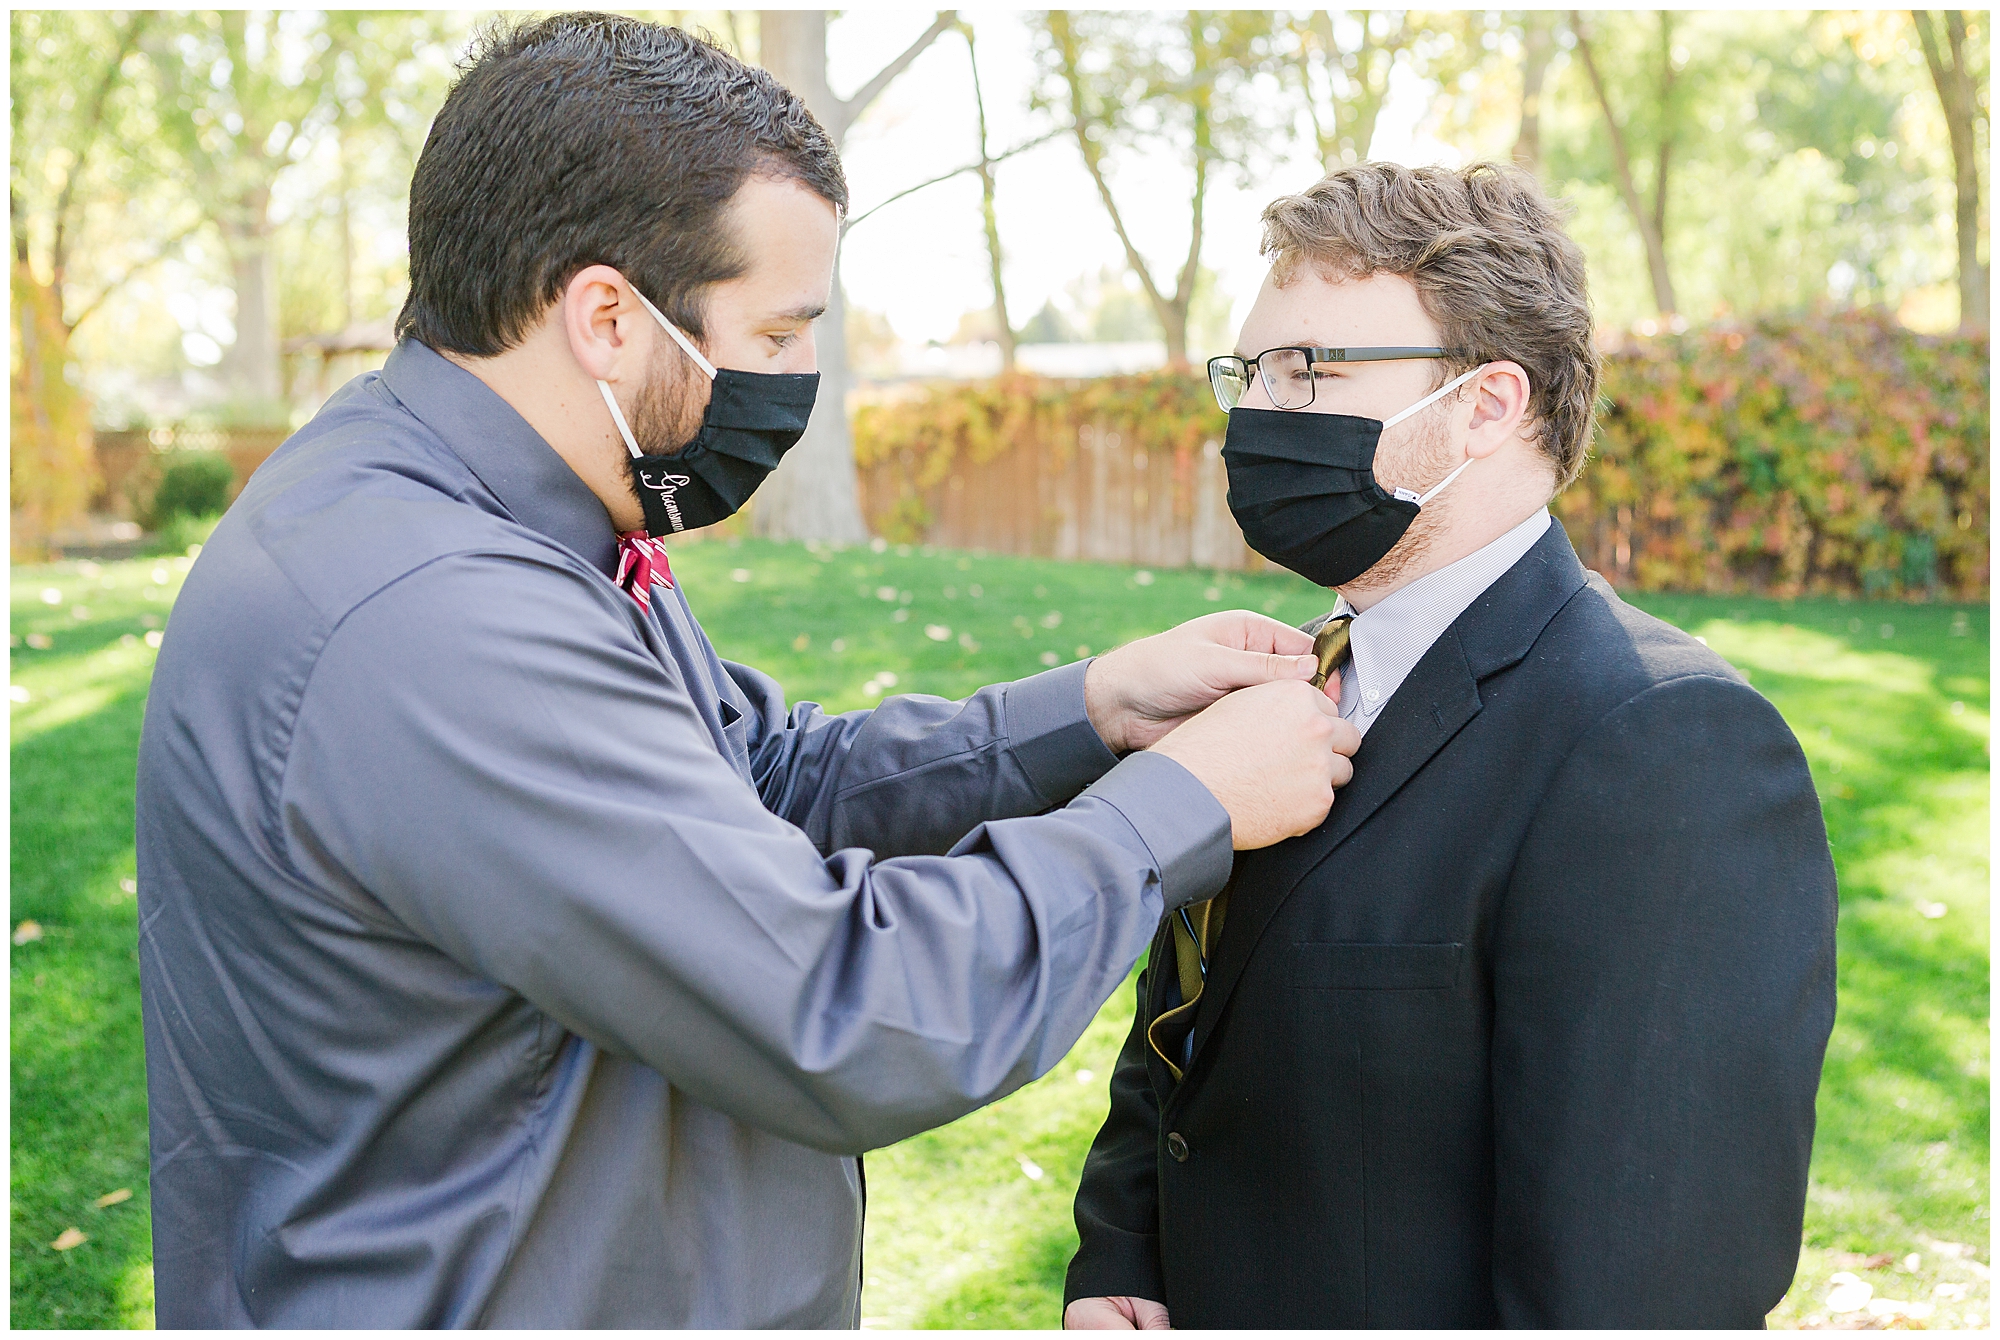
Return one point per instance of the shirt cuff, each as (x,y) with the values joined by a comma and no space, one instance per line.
(1051,735)
(1181,822)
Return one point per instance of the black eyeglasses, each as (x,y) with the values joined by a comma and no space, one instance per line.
(1287,372)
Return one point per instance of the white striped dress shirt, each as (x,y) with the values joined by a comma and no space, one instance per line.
(1389,639)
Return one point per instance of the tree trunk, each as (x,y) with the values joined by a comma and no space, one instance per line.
(988,214)
(1370,97)
(1628,190)
(1959,100)
(811,496)
(1664,149)
(791,44)
(1539,48)
(347,312)
(251,367)
(52,463)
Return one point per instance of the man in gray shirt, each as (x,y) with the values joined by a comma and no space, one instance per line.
(509,958)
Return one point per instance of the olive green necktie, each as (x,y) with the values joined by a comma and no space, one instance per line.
(1198,928)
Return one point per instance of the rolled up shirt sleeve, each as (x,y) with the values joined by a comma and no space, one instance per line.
(491,763)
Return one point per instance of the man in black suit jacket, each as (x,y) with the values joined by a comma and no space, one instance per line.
(1528,1032)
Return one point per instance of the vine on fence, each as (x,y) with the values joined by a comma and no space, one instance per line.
(1806,455)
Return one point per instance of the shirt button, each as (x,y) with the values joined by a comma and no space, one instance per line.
(1177,1146)
(1373,695)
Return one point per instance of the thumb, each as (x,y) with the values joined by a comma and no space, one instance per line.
(1242,669)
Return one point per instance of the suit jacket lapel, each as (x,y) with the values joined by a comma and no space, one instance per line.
(1432,705)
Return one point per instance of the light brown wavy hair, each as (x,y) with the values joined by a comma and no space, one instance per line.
(1485,248)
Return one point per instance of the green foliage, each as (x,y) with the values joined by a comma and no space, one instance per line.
(195,485)
(183,534)
(959,1232)
(1835,454)
(1805,154)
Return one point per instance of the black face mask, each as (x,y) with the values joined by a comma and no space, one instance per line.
(753,419)
(1302,487)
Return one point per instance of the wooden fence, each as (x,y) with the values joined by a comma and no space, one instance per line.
(131,462)
(1107,498)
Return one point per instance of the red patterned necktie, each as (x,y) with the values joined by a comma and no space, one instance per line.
(642,563)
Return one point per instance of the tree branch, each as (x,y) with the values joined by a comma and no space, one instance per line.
(852,108)
(1093,162)
(166,249)
(93,119)
(1020,148)
(1656,252)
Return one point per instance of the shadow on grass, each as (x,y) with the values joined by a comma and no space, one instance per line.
(77,1055)
(1901,1149)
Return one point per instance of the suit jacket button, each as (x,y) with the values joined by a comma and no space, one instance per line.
(1177,1146)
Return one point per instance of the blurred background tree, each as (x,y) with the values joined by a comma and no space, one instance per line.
(1962,91)
(812,494)
(1195,83)
(215,202)
(71,113)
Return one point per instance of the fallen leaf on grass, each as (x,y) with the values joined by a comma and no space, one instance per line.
(1861,1260)
(70,1237)
(1029,1168)
(118,1197)
(1848,1293)
(27,932)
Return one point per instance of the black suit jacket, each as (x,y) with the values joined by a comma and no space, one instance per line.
(1527,1033)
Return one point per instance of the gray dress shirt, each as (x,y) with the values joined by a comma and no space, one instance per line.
(510,959)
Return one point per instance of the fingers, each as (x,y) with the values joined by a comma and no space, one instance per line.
(1150,1315)
(1227,669)
(1100,1314)
(1247,630)
(1346,737)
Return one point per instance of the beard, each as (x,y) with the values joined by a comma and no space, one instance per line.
(667,413)
(1430,458)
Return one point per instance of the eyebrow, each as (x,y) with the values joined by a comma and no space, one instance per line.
(801,315)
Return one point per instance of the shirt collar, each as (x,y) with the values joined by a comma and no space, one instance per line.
(536,486)
(1387,641)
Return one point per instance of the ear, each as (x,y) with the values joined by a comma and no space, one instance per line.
(1499,408)
(603,323)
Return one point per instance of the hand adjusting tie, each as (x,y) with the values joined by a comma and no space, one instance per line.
(1197,930)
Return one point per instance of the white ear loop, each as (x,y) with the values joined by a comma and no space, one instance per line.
(618,417)
(683,341)
(1451,385)
(1410,495)
(687,347)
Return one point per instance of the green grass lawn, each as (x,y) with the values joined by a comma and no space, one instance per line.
(969,1226)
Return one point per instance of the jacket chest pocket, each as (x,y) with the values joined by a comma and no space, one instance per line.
(1329,966)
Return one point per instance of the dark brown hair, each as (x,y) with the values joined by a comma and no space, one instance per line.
(591,139)
(1486,251)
